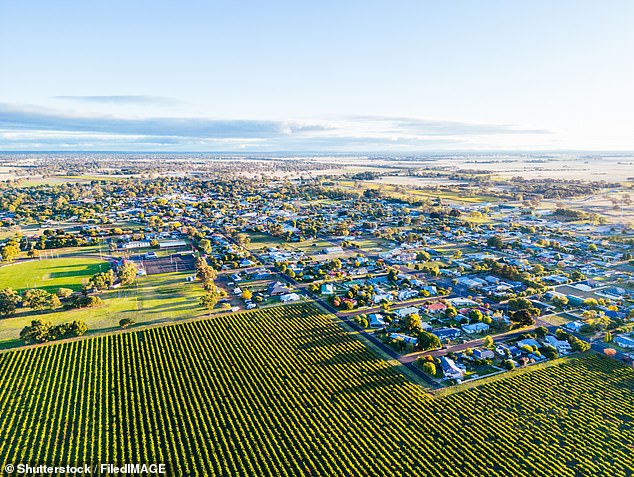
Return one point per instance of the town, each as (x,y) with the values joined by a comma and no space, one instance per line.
(456,282)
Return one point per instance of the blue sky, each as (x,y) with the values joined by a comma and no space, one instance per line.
(316,76)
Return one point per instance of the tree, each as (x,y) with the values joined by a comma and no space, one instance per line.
(578,345)
(541,332)
(64,293)
(520,304)
(127,273)
(601,321)
(208,301)
(204,272)
(37,299)
(125,322)
(475,315)
(55,302)
(69,330)
(560,300)
(10,252)
(522,318)
(412,323)
(495,241)
(488,342)
(427,341)
(607,338)
(9,300)
(205,246)
(429,368)
(37,332)
(247,294)
(509,364)
(102,280)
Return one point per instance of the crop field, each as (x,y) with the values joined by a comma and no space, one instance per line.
(286,391)
(51,274)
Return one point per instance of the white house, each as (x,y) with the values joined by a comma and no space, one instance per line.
(562,346)
(407,294)
(289,297)
(403,312)
(406,338)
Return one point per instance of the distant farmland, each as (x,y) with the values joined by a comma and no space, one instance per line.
(285,391)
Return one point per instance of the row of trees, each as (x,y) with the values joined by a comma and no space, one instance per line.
(207,275)
(39,299)
(41,331)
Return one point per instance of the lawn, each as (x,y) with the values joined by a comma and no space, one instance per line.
(260,240)
(50,274)
(157,299)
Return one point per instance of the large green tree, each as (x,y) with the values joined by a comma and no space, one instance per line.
(127,273)
(427,341)
(9,300)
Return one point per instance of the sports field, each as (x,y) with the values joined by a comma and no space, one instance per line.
(152,299)
(51,274)
(287,392)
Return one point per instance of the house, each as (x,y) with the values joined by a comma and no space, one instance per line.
(445,334)
(408,339)
(278,288)
(504,351)
(483,353)
(562,347)
(327,289)
(436,307)
(624,341)
(528,342)
(172,244)
(449,369)
(289,297)
(403,312)
(475,328)
(245,262)
(574,326)
(380,297)
(407,294)
(330,250)
(376,320)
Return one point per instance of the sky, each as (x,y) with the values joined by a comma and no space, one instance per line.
(331,76)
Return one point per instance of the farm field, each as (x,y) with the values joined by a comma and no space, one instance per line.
(157,299)
(51,274)
(286,391)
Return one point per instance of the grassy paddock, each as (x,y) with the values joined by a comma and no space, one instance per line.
(154,299)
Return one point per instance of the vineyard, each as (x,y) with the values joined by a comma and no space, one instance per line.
(286,391)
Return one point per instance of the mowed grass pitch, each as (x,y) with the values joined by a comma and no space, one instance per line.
(51,274)
(151,299)
(285,391)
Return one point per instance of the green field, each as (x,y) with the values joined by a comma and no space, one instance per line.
(50,274)
(152,299)
(285,391)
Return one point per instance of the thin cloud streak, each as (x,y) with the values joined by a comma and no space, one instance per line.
(121,99)
(19,124)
